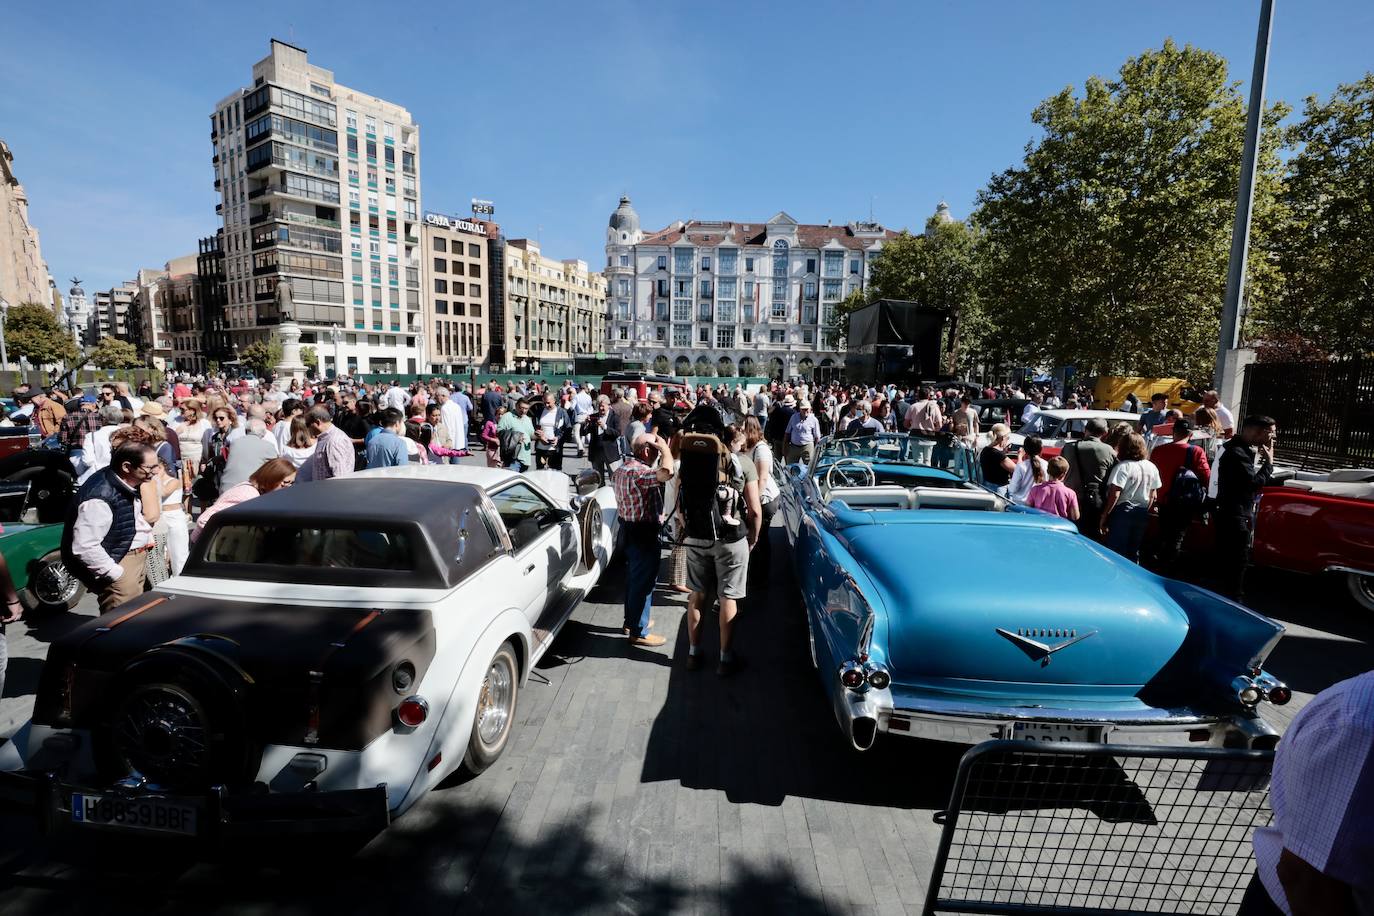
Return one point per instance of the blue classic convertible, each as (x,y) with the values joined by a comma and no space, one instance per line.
(892,536)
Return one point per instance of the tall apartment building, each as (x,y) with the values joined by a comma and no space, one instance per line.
(216,344)
(320,187)
(110,313)
(23,274)
(732,298)
(553,311)
(455,277)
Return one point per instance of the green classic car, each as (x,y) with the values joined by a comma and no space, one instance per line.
(33,554)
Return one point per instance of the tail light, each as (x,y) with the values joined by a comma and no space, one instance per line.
(852,675)
(1275,690)
(412,712)
(1247,692)
(879,679)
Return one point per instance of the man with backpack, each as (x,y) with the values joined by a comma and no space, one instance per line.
(1090,460)
(718,496)
(516,435)
(1184,474)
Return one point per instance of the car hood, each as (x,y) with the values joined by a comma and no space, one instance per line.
(990,591)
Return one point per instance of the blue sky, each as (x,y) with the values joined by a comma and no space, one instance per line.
(552,110)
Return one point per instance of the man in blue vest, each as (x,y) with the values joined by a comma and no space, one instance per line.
(106,534)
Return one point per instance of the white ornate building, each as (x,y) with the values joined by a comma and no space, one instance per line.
(737,298)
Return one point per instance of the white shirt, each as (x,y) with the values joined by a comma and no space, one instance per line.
(456,422)
(1321,792)
(282,432)
(1023,478)
(93,520)
(582,406)
(1224,416)
(1138,481)
(396,397)
(96,446)
(1029,413)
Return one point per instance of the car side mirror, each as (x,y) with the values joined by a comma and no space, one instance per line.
(550,517)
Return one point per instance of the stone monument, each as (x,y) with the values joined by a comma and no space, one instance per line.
(290,366)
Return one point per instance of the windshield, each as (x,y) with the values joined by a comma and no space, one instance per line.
(1042,425)
(939,451)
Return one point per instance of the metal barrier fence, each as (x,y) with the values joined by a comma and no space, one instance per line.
(1100,829)
(1325,411)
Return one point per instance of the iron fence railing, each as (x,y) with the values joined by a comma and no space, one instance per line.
(1324,410)
(1100,829)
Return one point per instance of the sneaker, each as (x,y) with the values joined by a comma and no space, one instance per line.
(693,662)
(647,641)
(649,627)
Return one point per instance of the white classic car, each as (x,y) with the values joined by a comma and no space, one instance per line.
(1057,428)
(330,652)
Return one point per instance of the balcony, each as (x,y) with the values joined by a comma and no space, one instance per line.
(218,184)
(219,209)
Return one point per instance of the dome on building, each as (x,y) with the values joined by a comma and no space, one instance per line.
(942,214)
(625,219)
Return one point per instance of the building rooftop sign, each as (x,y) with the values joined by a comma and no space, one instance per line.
(455,222)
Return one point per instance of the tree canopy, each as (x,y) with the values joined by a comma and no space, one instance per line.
(113,353)
(262,356)
(1107,248)
(33,332)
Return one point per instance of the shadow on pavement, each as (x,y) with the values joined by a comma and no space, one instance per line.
(1312,663)
(448,858)
(21,676)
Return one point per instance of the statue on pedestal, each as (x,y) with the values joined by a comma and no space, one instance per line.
(289,332)
(286,302)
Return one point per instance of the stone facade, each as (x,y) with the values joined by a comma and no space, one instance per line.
(23,273)
(554,311)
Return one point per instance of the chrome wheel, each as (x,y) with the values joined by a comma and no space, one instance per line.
(496,702)
(52,584)
(160,733)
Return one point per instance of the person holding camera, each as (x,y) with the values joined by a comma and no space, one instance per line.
(638,485)
(1245,467)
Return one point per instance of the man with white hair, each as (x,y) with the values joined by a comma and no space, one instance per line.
(248,453)
(455,419)
(864,423)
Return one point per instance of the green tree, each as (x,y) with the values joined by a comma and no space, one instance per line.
(262,356)
(310,358)
(1107,248)
(113,353)
(33,332)
(1324,246)
(837,332)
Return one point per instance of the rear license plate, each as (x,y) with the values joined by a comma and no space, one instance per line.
(162,815)
(1056,731)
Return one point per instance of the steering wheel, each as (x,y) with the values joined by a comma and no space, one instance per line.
(851,470)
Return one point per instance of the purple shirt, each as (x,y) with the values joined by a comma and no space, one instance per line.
(1053,497)
(333,457)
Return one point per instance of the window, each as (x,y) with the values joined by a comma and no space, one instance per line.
(725,338)
(809,289)
(725,311)
(854,266)
(682,309)
(706,262)
(704,336)
(474,290)
(372,150)
(376,273)
(661,334)
(622,332)
(682,335)
(440,307)
(832,289)
(623,287)
(834,263)
(682,260)
(663,262)
(441,265)
(749,265)
(808,337)
(440,286)
(474,251)
(780,258)
(475,270)
(624,260)
(371,124)
(705,289)
(779,299)
(728,259)
(341,549)
(661,289)
(352,119)
(811,265)
(777,336)
(726,288)
(476,310)
(747,335)
(388,129)
(458,267)
(522,512)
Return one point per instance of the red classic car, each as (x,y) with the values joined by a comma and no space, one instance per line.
(1326,525)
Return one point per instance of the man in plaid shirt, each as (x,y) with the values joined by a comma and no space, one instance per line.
(75,426)
(638,497)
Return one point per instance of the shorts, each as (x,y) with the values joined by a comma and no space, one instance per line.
(721,567)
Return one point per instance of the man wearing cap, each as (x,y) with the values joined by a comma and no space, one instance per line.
(803,431)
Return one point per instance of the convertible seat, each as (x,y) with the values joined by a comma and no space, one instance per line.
(947,498)
(885,496)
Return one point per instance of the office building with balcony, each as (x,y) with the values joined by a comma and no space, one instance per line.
(553,311)
(216,344)
(732,298)
(110,313)
(319,187)
(455,272)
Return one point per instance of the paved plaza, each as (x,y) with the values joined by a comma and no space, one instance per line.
(630,786)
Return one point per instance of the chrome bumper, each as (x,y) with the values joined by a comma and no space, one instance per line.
(864,715)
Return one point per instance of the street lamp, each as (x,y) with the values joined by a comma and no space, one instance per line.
(4,316)
(336,336)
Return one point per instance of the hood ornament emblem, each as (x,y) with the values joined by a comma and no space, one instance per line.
(1041,651)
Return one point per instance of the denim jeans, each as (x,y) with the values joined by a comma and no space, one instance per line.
(1126,529)
(641,573)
